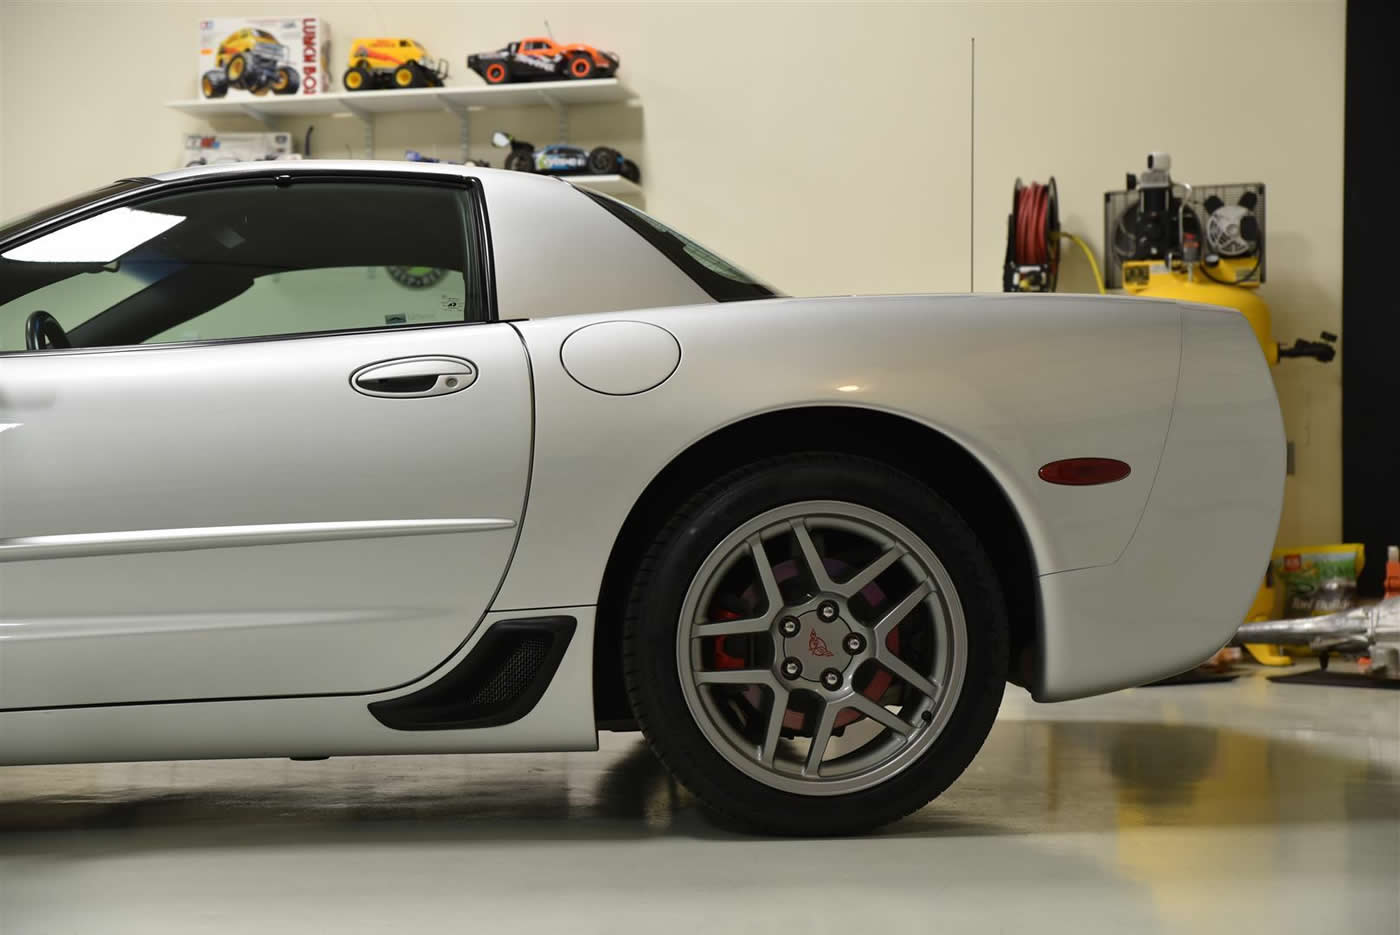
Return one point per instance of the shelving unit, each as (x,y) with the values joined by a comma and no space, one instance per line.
(559,96)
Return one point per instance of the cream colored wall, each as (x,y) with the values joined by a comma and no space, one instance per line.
(826,147)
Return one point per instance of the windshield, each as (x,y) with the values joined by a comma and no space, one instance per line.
(722,280)
(14,226)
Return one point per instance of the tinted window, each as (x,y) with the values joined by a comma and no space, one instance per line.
(721,280)
(249,260)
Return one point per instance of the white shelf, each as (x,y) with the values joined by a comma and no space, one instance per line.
(614,185)
(366,105)
(553,94)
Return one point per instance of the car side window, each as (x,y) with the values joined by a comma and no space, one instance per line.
(249,260)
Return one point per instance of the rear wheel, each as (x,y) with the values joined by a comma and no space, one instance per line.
(602,160)
(581,66)
(496,73)
(816,644)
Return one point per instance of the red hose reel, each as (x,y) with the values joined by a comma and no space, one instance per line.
(1032,239)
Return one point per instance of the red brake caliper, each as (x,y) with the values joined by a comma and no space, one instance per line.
(722,659)
(794,720)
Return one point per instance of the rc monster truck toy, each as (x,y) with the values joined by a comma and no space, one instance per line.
(379,63)
(252,60)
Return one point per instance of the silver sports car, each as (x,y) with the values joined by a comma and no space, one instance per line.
(323,459)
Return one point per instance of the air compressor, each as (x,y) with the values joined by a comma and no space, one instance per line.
(1204,243)
(1163,239)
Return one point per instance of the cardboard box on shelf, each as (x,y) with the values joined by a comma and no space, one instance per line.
(206,149)
(254,56)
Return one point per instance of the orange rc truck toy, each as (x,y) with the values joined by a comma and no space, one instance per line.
(542,59)
(391,63)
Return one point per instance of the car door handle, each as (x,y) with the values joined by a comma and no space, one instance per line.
(414,377)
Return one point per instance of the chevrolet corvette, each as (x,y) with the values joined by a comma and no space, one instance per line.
(262,497)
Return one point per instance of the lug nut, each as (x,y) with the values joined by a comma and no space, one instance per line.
(791,668)
(853,644)
(831,679)
(789,627)
(827,611)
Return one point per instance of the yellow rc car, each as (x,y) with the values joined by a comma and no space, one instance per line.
(383,62)
(252,60)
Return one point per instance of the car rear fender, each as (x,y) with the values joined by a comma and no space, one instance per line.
(1017,381)
(1183,584)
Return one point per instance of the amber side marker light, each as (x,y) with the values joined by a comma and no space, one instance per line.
(1084,472)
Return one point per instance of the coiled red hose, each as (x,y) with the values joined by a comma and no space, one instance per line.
(1032,241)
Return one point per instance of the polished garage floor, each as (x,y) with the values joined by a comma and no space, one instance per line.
(1241,807)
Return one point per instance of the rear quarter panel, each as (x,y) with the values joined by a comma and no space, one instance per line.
(1017,380)
(1195,561)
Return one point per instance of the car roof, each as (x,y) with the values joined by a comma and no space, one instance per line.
(347,166)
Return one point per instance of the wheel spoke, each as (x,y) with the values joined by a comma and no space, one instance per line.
(811,557)
(870,572)
(920,683)
(774,731)
(734,677)
(896,614)
(731,627)
(878,712)
(771,594)
(820,738)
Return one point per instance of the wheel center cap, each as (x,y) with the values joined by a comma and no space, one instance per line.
(818,645)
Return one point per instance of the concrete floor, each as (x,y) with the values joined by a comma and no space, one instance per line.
(1240,807)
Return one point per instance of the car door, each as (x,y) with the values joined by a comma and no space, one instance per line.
(287,453)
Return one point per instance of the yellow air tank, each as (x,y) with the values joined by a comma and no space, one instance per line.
(1230,283)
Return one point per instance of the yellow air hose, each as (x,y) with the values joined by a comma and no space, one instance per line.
(1093,263)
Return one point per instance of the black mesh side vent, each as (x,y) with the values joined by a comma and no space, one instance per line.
(499,681)
(514,676)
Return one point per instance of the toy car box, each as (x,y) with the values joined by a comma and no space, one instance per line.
(207,149)
(261,55)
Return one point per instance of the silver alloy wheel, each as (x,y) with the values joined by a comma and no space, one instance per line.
(814,672)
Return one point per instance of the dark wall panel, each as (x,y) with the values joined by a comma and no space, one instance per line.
(1370,292)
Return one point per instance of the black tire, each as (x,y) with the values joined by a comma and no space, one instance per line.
(630,171)
(406,76)
(287,81)
(664,576)
(603,161)
(520,160)
(495,73)
(357,78)
(214,84)
(580,67)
